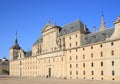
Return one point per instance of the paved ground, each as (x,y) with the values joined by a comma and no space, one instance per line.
(22,80)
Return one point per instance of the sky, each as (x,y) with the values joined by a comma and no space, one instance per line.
(28,18)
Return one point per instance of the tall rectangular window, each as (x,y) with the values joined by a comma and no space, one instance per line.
(112,63)
(113,72)
(101,54)
(70,65)
(83,65)
(76,43)
(102,73)
(92,64)
(112,52)
(70,58)
(91,55)
(70,44)
(76,57)
(83,56)
(76,65)
(92,72)
(76,72)
(83,72)
(101,64)
(70,72)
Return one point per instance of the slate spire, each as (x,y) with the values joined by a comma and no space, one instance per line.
(102,27)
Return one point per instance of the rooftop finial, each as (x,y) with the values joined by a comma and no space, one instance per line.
(94,28)
(16,41)
(48,21)
(54,24)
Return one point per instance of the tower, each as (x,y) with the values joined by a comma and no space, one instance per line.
(102,27)
(14,50)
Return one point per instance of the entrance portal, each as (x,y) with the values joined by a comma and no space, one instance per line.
(49,72)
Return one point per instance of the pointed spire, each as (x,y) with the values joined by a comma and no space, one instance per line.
(16,45)
(48,21)
(16,40)
(54,24)
(102,27)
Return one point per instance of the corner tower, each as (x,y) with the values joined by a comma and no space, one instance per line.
(14,50)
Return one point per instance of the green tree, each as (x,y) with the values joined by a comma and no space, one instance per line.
(5,71)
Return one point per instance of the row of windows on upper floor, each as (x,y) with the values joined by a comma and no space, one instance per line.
(112,43)
(92,55)
(92,64)
(92,72)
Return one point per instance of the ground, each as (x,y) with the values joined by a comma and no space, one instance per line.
(37,80)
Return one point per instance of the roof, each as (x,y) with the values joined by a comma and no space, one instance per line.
(39,40)
(97,37)
(28,53)
(72,27)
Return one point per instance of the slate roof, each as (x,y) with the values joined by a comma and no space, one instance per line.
(72,27)
(97,37)
(4,61)
(28,53)
(39,40)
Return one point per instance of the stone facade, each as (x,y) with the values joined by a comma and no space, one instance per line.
(4,66)
(71,52)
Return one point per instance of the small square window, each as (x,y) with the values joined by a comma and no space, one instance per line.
(91,47)
(112,43)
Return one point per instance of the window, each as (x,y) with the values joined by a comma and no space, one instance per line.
(101,45)
(83,56)
(76,57)
(112,43)
(70,44)
(76,43)
(61,58)
(70,51)
(113,72)
(112,52)
(83,48)
(101,64)
(101,54)
(70,37)
(70,58)
(91,47)
(83,72)
(83,65)
(76,65)
(76,72)
(101,72)
(92,72)
(112,63)
(70,65)
(92,64)
(70,72)
(91,55)
(76,36)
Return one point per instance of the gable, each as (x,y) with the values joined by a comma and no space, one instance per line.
(46,28)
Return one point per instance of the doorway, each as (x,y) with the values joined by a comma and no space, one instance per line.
(49,72)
